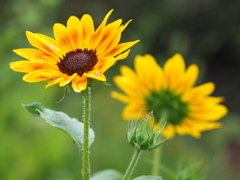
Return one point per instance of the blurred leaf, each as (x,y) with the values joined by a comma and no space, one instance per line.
(191,172)
(148,178)
(108,174)
(60,120)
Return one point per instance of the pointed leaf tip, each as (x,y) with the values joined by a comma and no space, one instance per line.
(34,108)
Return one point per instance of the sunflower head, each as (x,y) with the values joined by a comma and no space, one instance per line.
(171,94)
(77,52)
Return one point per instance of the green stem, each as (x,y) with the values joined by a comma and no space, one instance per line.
(157,151)
(86,121)
(132,164)
(156,161)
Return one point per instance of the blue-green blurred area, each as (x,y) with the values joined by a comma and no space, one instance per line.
(204,32)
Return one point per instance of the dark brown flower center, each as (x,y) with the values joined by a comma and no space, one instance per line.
(78,61)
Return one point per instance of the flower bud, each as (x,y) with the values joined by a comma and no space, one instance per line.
(142,135)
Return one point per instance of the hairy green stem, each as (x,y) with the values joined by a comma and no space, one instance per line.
(86,121)
(132,164)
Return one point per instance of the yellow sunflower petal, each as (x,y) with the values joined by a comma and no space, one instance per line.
(44,43)
(36,55)
(196,126)
(79,83)
(120,97)
(88,29)
(174,71)
(97,36)
(104,64)
(202,90)
(53,82)
(111,36)
(209,114)
(189,78)
(149,71)
(61,36)
(75,32)
(130,87)
(168,131)
(34,77)
(121,48)
(190,128)
(65,80)
(181,130)
(200,104)
(204,126)
(128,72)
(195,134)
(125,25)
(95,75)
(134,111)
(122,56)
(29,66)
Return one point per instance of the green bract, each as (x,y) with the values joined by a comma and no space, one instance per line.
(142,135)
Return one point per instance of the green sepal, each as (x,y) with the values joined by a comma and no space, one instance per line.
(67,90)
(142,135)
(60,120)
(104,83)
(92,83)
(157,145)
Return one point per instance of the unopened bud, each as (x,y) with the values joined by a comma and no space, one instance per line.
(143,136)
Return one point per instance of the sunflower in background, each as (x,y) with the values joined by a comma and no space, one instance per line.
(170,93)
(77,53)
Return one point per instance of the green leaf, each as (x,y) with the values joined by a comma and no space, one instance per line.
(33,108)
(60,120)
(108,174)
(148,178)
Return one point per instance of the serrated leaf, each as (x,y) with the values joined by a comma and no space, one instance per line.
(60,120)
(108,174)
(148,178)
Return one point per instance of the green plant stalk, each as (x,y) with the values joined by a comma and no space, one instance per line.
(132,164)
(86,121)
(156,161)
(157,152)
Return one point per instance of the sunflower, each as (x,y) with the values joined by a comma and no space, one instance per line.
(170,93)
(77,53)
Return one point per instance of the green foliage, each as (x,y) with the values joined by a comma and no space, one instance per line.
(60,120)
(148,178)
(192,172)
(142,135)
(108,174)
(205,32)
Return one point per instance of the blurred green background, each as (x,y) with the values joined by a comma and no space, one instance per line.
(205,32)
